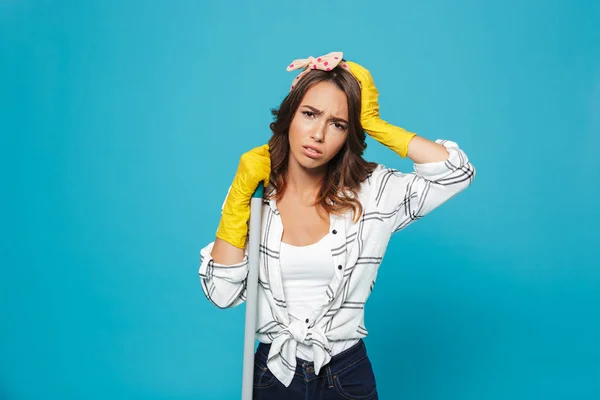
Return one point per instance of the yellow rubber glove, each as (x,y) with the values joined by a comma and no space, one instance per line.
(387,134)
(254,167)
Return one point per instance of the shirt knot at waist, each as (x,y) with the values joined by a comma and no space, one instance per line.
(298,330)
(282,354)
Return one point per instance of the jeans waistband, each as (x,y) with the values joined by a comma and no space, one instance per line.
(337,363)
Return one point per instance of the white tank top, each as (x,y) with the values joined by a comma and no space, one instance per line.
(306,271)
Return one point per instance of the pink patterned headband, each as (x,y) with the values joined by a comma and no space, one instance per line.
(324,63)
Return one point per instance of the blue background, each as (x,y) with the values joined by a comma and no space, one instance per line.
(122,124)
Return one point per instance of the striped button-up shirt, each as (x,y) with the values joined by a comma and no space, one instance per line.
(391,200)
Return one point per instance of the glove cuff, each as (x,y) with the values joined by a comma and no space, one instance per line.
(393,137)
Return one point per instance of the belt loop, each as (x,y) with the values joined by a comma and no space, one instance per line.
(329,377)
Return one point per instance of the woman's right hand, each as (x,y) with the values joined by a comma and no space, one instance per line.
(254,167)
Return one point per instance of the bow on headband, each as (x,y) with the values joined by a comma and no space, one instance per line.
(324,63)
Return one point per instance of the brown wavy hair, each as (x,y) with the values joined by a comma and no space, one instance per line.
(345,171)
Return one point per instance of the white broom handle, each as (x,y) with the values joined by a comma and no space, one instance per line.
(252,292)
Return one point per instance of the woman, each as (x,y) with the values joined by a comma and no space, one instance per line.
(328,216)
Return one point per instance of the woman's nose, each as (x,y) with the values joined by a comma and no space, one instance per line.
(319,133)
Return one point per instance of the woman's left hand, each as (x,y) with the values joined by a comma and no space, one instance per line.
(389,135)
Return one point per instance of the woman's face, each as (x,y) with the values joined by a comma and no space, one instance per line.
(319,127)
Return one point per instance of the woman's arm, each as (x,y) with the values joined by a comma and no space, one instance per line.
(223,284)
(223,272)
(225,253)
(423,151)
(223,263)
(402,198)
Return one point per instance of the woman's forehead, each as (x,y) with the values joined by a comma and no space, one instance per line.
(327,97)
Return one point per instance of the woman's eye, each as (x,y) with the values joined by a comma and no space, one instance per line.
(340,126)
(308,114)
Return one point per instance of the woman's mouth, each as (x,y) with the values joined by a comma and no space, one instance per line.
(311,152)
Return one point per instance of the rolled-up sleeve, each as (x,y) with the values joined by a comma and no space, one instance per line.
(402,198)
(223,285)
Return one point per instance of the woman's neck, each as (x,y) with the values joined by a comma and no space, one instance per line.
(304,183)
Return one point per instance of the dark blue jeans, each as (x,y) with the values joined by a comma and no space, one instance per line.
(348,375)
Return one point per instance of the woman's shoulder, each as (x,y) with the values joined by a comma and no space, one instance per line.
(380,171)
(369,183)
(381,180)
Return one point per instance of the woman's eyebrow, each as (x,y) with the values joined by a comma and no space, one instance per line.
(319,112)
